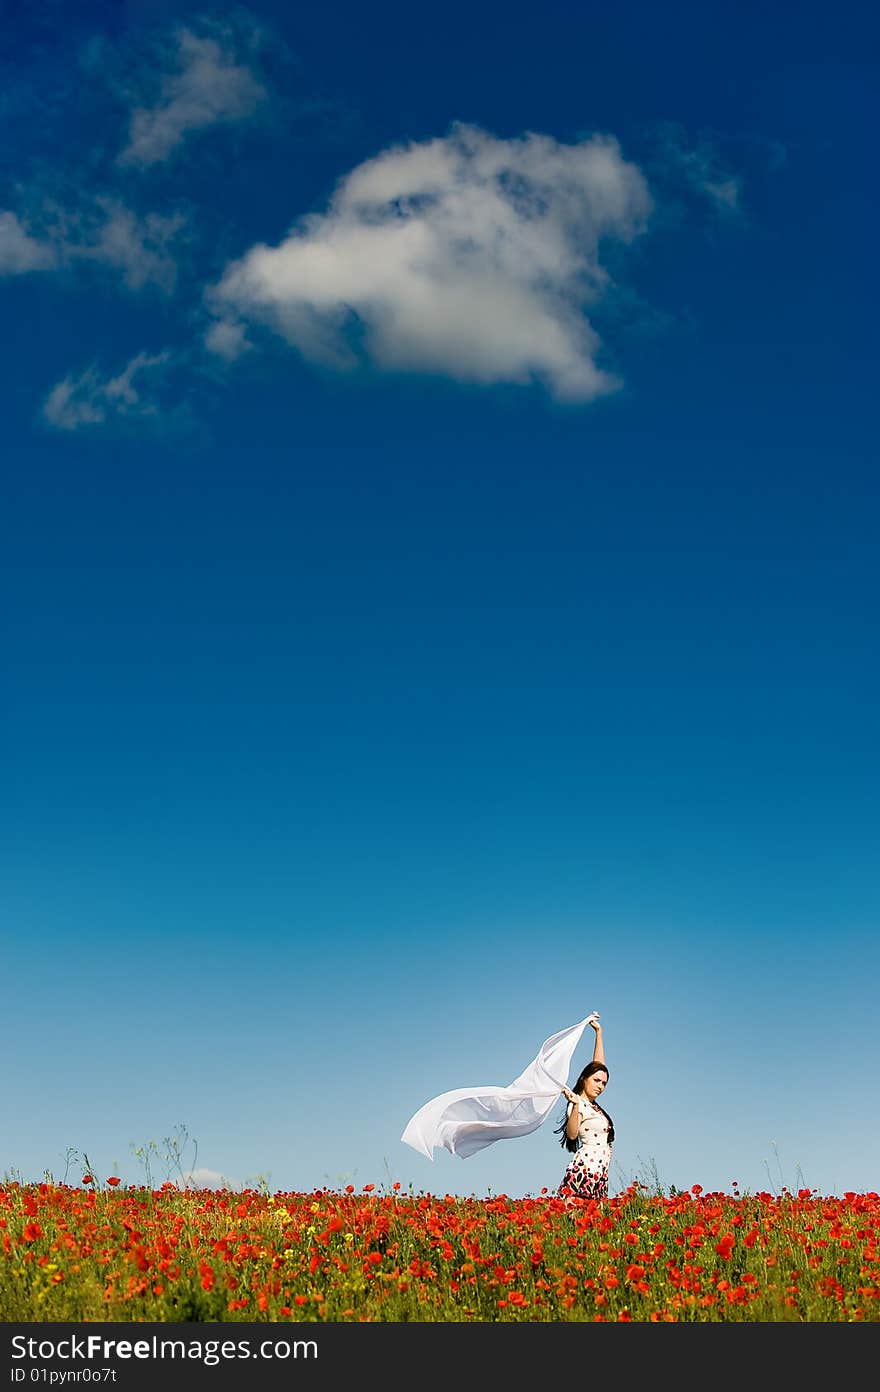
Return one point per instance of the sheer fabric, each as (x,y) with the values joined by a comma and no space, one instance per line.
(466,1120)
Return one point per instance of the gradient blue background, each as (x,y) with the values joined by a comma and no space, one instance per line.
(374,728)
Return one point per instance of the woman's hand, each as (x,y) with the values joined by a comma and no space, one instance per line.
(569,1095)
(593,1020)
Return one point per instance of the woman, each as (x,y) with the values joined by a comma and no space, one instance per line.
(588,1130)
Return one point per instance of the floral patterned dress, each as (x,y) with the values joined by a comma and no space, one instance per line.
(587,1174)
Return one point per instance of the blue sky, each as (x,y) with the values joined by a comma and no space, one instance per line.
(439,551)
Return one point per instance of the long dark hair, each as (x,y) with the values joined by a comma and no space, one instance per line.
(559,1131)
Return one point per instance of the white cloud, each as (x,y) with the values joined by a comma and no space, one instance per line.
(226,339)
(101,230)
(207,84)
(90,400)
(206,1179)
(468,255)
(19,251)
(136,246)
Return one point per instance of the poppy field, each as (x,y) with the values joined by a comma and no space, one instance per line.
(104,1251)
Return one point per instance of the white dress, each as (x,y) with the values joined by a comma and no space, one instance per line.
(586,1176)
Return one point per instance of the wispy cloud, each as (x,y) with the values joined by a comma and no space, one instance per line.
(140,247)
(93,400)
(227,339)
(698,168)
(467,255)
(207,80)
(19,251)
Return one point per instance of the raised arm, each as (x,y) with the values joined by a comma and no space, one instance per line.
(598,1046)
(573,1120)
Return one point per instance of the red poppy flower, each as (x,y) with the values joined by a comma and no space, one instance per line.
(87,1179)
(113,1179)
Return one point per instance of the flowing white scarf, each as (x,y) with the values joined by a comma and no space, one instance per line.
(467,1119)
